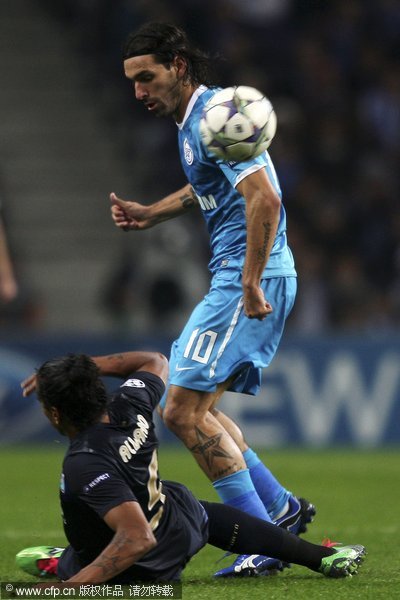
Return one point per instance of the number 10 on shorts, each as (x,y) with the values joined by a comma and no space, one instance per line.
(203,345)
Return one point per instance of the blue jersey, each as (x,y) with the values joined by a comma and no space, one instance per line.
(214,182)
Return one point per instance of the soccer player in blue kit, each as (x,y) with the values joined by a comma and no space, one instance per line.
(235,330)
(123,523)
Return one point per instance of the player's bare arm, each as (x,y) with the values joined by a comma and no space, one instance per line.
(262,218)
(8,283)
(133,539)
(132,215)
(125,363)
(117,365)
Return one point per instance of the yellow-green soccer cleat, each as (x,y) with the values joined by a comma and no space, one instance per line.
(40,561)
(345,561)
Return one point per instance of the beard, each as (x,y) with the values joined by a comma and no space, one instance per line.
(169,107)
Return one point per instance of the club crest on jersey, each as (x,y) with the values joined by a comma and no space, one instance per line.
(188,152)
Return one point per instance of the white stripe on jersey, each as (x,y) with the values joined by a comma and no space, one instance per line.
(254,168)
(247,172)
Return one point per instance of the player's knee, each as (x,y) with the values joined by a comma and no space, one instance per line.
(184,410)
(175,418)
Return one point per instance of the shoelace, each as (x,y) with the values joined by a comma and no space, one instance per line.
(329,544)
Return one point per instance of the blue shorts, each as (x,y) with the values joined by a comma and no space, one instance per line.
(219,340)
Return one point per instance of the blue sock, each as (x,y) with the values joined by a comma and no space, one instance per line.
(273,495)
(238,490)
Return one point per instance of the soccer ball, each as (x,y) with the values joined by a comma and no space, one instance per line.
(238,123)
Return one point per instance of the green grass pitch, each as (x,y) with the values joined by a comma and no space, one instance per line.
(356,494)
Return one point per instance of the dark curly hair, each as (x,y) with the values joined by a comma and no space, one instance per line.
(166,41)
(72,384)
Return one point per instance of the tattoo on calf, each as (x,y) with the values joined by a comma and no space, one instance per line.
(209,447)
(224,472)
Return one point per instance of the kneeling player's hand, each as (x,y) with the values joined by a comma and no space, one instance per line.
(29,385)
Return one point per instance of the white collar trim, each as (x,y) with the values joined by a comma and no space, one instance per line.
(196,94)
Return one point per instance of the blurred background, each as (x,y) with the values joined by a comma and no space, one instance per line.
(71,132)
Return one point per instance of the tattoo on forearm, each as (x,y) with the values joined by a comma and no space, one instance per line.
(109,563)
(209,447)
(121,539)
(262,252)
(115,357)
(188,200)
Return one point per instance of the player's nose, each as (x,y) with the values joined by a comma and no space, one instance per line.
(140,91)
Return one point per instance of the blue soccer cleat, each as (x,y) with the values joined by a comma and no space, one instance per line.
(299,514)
(246,565)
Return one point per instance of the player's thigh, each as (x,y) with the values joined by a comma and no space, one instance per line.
(192,405)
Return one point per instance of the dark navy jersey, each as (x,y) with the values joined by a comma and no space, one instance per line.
(116,462)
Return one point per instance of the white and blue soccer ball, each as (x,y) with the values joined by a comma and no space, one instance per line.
(238,123)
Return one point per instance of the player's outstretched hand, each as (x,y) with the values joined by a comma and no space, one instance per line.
(8,287)
(29,385)
(128,215)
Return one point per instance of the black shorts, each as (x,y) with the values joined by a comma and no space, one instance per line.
(180,535)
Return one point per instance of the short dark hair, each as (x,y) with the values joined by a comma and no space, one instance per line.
(166,41)
(72,384)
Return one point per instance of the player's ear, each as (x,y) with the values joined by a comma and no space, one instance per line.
(180,65)
(54,415)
